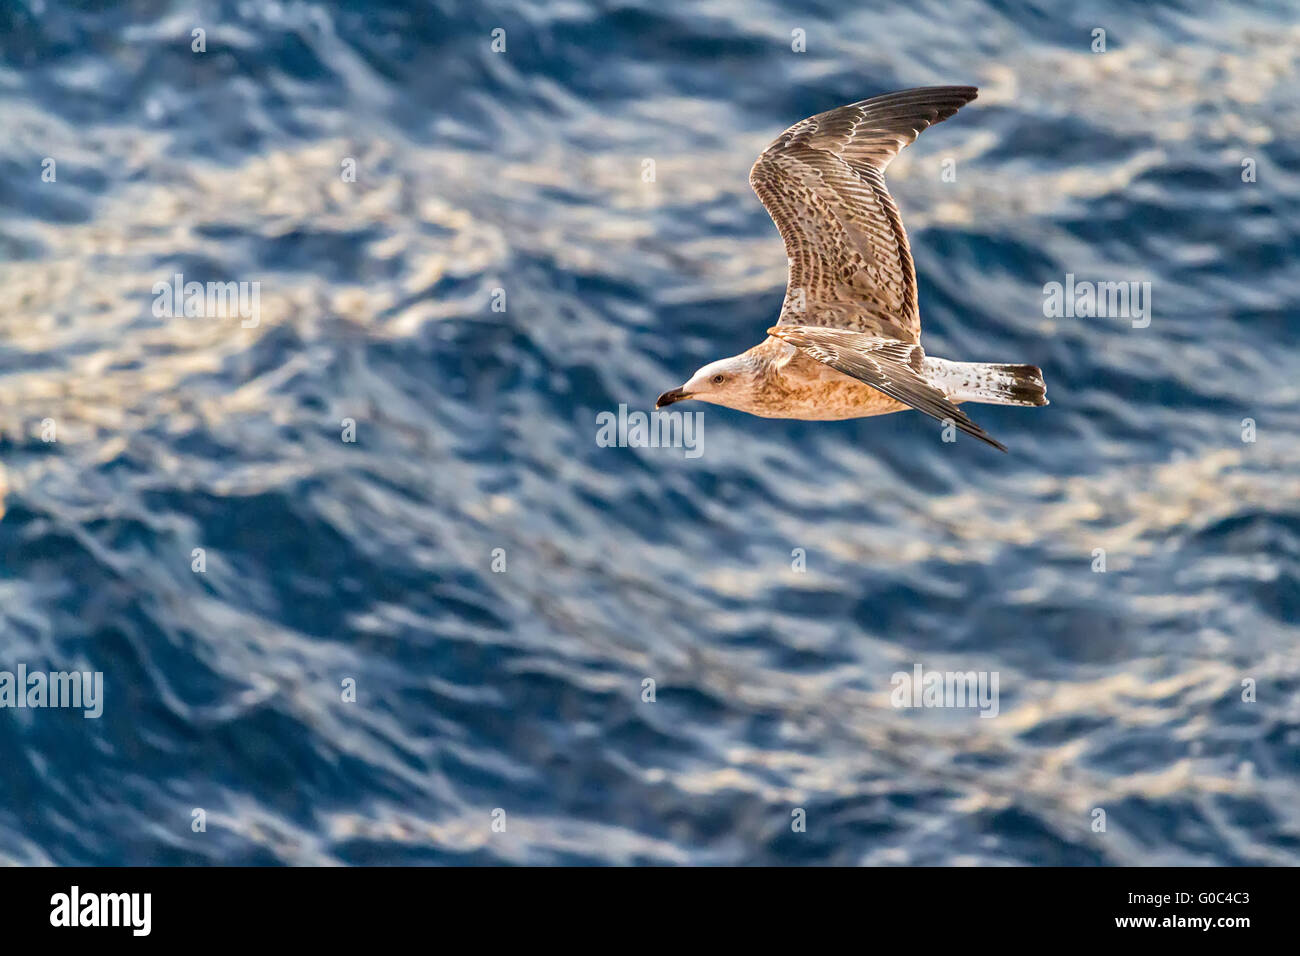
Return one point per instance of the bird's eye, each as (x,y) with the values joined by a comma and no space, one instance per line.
(719,379)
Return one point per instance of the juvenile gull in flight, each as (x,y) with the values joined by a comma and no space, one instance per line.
(847,342)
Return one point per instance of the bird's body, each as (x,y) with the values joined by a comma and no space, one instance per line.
(789,384)
(847,344)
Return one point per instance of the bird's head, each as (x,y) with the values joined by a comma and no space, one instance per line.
(731,382)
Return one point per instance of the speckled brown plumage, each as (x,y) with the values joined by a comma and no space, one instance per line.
(822,182)
(847,344)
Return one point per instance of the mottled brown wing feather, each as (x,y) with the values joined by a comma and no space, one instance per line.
(822,182)
(887,365)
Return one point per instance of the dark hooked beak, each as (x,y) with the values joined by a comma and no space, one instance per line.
(670,396)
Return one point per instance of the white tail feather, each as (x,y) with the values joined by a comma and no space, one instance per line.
(987,383)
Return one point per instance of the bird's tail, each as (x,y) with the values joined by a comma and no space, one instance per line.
(988,383)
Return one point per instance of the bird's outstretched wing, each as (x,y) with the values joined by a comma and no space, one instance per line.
(822,182)
(888,365)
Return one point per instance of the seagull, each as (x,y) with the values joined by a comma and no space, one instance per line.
(847,344)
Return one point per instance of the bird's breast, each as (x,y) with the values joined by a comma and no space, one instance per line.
(794,393)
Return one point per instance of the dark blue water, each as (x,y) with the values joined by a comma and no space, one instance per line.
(521,689)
